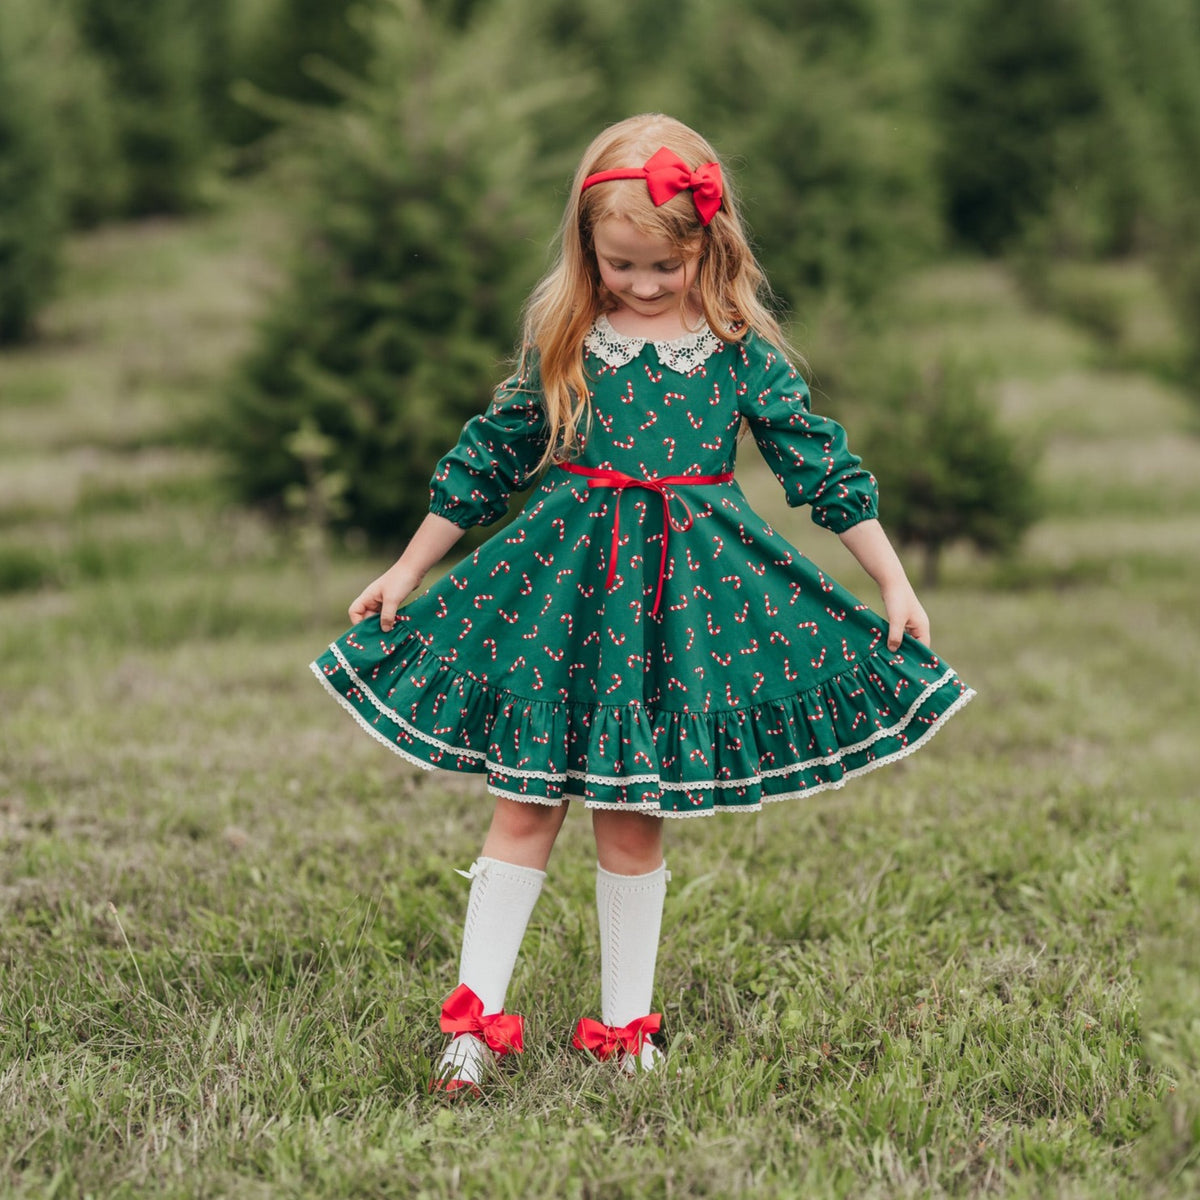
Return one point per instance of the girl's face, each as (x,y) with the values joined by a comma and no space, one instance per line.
(645,274)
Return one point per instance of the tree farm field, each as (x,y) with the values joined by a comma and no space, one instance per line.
(229,918)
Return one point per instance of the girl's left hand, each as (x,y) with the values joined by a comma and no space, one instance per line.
(904,614)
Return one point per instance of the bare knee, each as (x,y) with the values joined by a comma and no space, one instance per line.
(627,843)
(523,833)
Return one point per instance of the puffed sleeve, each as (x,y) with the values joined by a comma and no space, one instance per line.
(495,455)
(808,453)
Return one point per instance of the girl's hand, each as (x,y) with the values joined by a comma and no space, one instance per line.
(904,614)
(385,594)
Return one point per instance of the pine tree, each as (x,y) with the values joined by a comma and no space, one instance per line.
(947,471)
(403,305)
(31,199)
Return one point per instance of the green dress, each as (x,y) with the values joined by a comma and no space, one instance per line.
(539,660)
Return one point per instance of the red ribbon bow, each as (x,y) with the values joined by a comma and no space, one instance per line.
(462,1012)
(607,477)
(666,175)
(605,1040)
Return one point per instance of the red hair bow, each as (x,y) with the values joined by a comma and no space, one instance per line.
(605,1040)
(463,1013)
(666,175)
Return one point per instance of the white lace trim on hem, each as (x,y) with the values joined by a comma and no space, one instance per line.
(682,354)
(661,784)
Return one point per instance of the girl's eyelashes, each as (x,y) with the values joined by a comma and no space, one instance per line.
(665,268)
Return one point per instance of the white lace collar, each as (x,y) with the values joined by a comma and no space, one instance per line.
(683,354)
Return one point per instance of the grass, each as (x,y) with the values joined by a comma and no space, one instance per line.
(229,919)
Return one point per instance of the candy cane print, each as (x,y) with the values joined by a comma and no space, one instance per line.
(459,582)
(517,539)
(759,568)
(819,662)
(426,639)
(526,588)
(771,610)
(711,445)
(531,634)
(586,590)
(627,395)
(751,648)
(667,656)
(691,638)
(519,661)
(746,541)
(559,576)
(699,754)
(468,625)
(847,653)
(759,680)
(712,629)
(826,585)
(641,757)
(736,580)
(785,561)
(569,621)
(584,539)
(500,566)
(634,660)
(612,687)
(796,589)
(788,674)
(669,396)
(626,443)
(723,659)
(594,636)
(695,422)
(575,667)
(555,655)
(537,680)
(651,417)
(545,560)
(512,618)
(560,526)
(683,603)
(482,598)
(618,640)
(442,609)
(719,546)
(700,590)
(837,616)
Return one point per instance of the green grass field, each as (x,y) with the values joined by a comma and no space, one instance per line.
(229,918)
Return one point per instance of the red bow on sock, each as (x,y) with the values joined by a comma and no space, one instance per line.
(605,1040)
(463,1013)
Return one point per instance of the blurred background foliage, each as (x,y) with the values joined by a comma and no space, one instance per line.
(426,147)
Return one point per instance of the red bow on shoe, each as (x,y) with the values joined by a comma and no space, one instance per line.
(463,1013)
(605,1040)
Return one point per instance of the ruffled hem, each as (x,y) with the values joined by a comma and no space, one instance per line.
(664,763)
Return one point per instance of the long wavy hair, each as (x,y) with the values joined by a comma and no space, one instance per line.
(731,287)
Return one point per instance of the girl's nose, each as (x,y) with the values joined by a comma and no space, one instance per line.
(644,287)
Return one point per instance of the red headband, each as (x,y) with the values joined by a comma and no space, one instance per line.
(666,175)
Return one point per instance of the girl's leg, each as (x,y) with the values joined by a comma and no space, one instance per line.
(505,883)
(631,884)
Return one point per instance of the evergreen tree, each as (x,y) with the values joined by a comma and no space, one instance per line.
(153,51)
(947,472)
(404,303)
(1014,97)
(31,200)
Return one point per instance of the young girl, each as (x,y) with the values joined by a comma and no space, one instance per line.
(638,640)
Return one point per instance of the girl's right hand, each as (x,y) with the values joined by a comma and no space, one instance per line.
(384,595)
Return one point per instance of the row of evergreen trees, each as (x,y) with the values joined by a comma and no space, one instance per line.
(120,108)
(436,137)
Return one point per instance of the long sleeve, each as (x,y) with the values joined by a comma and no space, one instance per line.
(495,455)
(808,453)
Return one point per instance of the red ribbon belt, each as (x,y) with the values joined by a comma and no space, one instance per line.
(607,477)
(463,1013)
(605,1040)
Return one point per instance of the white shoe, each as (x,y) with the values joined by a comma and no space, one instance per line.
(464,1064)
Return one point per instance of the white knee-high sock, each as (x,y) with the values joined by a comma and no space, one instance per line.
(630,911)
(498,910)
(499,906)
